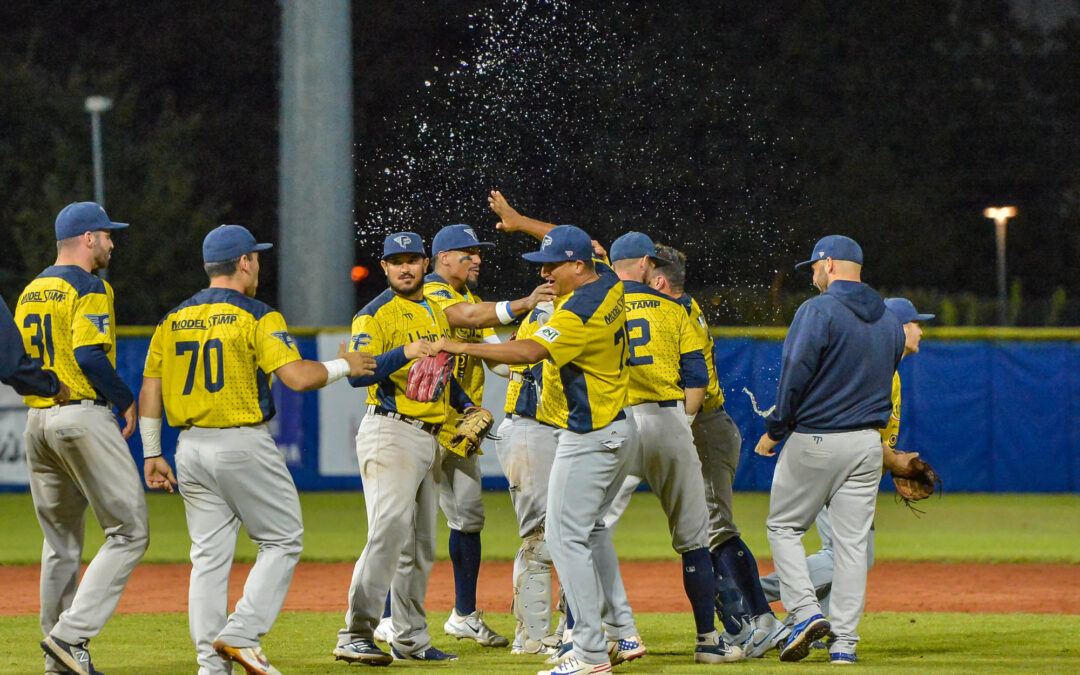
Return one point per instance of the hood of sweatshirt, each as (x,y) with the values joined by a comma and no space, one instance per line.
(865,302)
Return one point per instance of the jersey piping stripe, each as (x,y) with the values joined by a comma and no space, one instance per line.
(580,417)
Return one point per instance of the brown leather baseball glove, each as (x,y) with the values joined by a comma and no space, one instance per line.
(915,483)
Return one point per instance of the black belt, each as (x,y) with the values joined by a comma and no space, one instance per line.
(426,427)
(85,401)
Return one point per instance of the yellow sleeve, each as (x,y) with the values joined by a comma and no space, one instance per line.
(441,295)
(690,339)
(367,336)
(153,355)
(563,336)
(892,428)
(92,323)
(274,347)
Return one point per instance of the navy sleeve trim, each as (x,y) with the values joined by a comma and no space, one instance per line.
(385,365)
(94,363)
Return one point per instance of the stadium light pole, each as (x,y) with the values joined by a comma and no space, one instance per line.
(1000,215)
(95,105)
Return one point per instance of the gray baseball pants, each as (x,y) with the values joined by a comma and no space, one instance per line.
(526,450)
(842,471)
(718,444)
(667,461)
(460,491)
(398,464)
(820,564)
(585,476)
(233,477)
(77,458)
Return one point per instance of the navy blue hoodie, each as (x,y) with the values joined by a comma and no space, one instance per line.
(16,367)
(838,362)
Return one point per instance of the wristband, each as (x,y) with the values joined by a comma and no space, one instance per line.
(336,369)
(150,432)
(502,310)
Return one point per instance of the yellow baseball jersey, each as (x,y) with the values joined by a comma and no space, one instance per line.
(215,353)
(665,351)
(714,395)
(585,381)
(523,388)
(63,309)
(891,429)
(382,328)
(469,370)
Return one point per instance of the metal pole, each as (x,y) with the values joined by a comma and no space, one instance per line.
(99,164)
(1003,300)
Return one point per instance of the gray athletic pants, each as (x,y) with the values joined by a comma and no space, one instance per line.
(585,476)
(460,491)
(842,471)
(397,464)
(77,458)
(233,477)
(718,444)
(820,564)
(526,450)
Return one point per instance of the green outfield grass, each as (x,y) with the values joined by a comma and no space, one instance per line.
(988,528)
(301,642)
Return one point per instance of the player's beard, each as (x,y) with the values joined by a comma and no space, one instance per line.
(101,258)
(472,282)
(404,286)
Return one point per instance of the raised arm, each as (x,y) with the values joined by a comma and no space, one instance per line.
(305,375)
(512,221)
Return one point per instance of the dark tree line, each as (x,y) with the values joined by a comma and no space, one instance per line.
(738,131)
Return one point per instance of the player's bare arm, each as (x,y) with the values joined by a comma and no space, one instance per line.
(515,352)
(484,314)
(512,221)
(307,375)
(695,396)
(131,419)
(156,471)
(896,461)
(766,446)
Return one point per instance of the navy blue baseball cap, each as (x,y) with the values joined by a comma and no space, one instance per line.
(402,242)
(456,238)
(633,245)
(79,217)
(562,243)
(229,242)
(905,310)
(835,246)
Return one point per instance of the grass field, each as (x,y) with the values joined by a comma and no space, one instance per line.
(968,528)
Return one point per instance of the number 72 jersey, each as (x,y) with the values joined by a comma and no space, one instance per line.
(63,309)
(214,354)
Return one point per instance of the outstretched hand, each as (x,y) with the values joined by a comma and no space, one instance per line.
(361,364)
(541,293)
(510,219)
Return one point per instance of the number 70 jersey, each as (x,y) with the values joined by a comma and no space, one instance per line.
(214,354)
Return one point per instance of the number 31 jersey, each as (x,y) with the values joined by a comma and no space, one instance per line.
(214,354)
(63,309)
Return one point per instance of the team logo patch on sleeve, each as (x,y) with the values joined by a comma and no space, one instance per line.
(100,321)
(548,334)
(701,320)
(285,337)
(360,340)
(442,293)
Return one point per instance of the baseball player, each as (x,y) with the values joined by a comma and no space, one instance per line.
(398,449)
(210,362)
(749,621)
(821,563)
(584,393)
(668,379)
(526,449)
(76,453)
(20,372)
(839,358)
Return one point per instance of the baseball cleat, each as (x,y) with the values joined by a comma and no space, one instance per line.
(74,657)
(768,634)
(711,648)
(563,651)
(384,632)
(429,654)
(364,652)
(252,659)
(575,666)
(802,636)
(627,649)
(842,658)
(473,627)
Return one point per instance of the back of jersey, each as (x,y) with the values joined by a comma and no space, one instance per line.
(214,354)
(662,345)
(63,309)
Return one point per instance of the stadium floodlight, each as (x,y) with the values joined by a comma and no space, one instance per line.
(95,105)
(1000,215)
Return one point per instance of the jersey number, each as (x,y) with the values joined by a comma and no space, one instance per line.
(620,338)
(213,358)
(42,337)
(641,340)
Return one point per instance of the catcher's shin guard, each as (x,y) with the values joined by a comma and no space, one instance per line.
(532,591)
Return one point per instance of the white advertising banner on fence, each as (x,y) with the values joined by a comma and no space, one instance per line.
(12,449)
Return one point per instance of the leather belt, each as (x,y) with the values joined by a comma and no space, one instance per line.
(426,427)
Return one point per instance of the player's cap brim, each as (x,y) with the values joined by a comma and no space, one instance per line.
(114,226)
(803,264)
(923,317)
(658,261)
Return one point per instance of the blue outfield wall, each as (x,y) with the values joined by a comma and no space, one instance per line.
(991,415)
